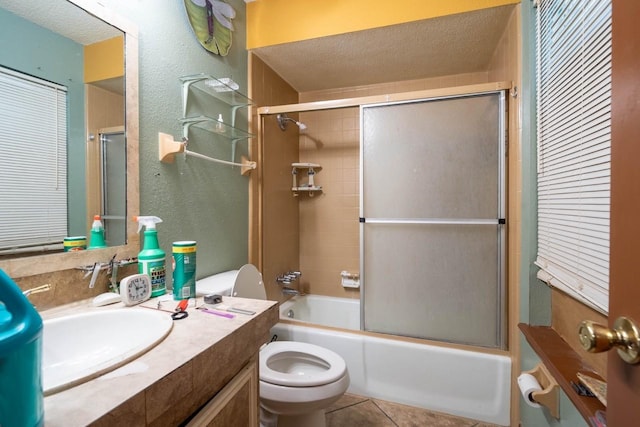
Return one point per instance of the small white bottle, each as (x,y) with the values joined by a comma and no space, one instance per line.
(220,124)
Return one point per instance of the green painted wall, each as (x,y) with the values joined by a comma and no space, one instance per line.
(535,300)
(196,199)
(539,417)
(39,52)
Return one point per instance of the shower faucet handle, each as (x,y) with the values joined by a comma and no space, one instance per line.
(283,280)
(288,277)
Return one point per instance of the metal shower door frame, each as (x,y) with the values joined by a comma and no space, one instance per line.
(106,136)
(500,222)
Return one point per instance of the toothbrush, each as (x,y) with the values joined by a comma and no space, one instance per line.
(218,313)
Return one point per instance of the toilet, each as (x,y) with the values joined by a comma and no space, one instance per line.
(297,380)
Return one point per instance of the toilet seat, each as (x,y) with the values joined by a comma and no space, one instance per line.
(332,367)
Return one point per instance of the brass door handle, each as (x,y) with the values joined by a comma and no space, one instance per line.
(625,336)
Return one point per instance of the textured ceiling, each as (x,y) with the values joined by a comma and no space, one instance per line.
(62,17)
(453,44)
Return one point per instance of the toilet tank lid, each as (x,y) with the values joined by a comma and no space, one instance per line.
(221,283)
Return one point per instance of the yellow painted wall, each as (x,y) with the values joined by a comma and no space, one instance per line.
(104,60)
(271,22)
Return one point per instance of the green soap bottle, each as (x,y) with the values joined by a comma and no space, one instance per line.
(97,234)
(152,259)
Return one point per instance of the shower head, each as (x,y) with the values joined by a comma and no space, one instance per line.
(283,119)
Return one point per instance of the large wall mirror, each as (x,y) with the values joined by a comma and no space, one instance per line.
(81,62)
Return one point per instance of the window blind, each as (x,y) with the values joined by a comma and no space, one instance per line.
(574,139)
(33,161)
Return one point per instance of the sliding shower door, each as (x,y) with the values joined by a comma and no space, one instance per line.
(114,187)
(432,219)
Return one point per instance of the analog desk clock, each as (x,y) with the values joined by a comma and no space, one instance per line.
(135,289)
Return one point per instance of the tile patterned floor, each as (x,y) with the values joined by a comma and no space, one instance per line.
(352,411)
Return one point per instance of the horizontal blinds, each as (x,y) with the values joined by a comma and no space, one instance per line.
(33,161)
(574,140)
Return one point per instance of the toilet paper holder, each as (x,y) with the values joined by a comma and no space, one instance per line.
(549,396)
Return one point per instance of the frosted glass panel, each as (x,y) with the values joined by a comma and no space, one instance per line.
(114,166)
(436,282)
(432,159)
(432,204)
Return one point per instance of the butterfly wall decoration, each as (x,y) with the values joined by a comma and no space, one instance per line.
(211,23)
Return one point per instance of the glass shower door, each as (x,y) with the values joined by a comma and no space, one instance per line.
(114,187)
(432,219)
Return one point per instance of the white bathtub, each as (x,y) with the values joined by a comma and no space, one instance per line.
(458,382)
(321,310)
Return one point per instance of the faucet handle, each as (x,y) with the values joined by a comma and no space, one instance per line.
(43,288)
(292,275)
(284,280)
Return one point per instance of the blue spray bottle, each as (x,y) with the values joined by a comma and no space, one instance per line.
(21,402)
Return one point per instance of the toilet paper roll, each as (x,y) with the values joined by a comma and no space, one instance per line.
(528,384)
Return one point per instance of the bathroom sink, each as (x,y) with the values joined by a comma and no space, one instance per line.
(80,347)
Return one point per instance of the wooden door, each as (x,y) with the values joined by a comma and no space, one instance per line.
(623,394)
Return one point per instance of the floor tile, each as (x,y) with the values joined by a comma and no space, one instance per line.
(353,411)
(345,401)
(361,414)
(408,416)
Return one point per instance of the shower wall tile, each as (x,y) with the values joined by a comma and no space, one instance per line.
(280,251)
(329,221)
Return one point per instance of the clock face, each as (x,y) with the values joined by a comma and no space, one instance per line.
(135,289)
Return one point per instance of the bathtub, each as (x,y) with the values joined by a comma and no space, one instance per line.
(444,379)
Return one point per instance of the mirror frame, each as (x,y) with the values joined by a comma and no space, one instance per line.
(41,264)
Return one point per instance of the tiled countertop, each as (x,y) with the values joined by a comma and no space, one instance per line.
(165,385)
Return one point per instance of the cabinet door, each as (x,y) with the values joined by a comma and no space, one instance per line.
(236,405)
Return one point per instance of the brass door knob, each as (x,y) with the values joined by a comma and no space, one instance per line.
(625,336)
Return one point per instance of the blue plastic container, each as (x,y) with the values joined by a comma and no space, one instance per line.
(21,398)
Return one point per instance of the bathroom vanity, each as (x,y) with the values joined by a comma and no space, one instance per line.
(205,372)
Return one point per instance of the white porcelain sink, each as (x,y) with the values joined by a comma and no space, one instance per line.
(80,347)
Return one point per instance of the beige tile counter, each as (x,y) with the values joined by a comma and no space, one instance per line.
(172,380)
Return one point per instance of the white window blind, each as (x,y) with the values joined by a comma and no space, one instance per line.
(33,161)
(574,140)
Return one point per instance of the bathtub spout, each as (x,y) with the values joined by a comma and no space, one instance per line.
(289,291)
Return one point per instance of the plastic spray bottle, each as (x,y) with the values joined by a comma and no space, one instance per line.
(97,234)
(151,259)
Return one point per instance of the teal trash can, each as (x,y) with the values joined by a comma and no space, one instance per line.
(21,398)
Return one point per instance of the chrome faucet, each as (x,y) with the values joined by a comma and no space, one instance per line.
(288,277)
(294,275)
(37,290)
(289,291)
(111,267)
(283,280)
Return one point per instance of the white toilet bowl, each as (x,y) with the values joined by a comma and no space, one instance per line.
(297,382)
